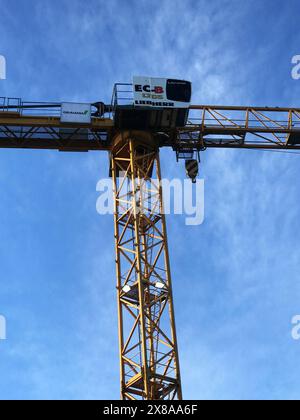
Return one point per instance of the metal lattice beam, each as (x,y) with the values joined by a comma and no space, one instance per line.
(148,345)
(208,127)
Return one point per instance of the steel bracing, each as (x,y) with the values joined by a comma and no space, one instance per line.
(242,127)
(208,127)
(148,345)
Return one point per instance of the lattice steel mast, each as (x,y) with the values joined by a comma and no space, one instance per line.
(148,345)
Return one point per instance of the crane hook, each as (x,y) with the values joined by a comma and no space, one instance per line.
(192,169)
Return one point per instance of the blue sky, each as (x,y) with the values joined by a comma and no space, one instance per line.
(236,277)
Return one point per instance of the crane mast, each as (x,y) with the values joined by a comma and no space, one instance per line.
(147,335)
(149,360)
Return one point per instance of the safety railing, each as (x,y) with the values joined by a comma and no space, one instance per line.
(122,95)
(10,104)
(50,109)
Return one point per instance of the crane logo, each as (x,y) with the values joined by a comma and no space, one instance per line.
(75,113)
(160,92)
(296,68)
(2,67)
(2,328)
(151,95)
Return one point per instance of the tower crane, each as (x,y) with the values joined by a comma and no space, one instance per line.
(143,117)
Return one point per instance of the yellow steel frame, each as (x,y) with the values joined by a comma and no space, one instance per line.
(208,126)
(242,127)
(148,345)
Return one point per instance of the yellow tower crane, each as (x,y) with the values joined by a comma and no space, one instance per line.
(142,118)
